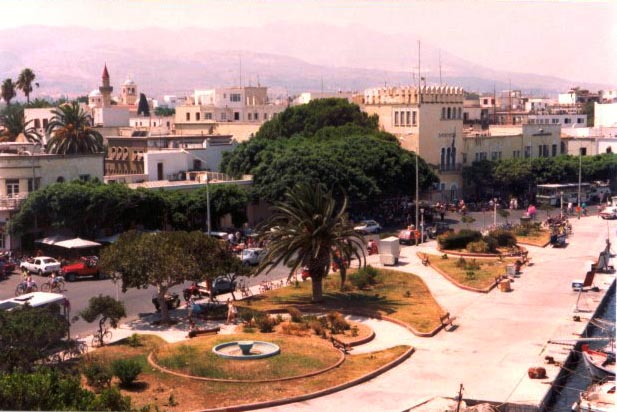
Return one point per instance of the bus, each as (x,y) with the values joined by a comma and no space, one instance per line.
(553,194)
(39,300)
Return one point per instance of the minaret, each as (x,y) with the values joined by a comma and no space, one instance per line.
(106,89)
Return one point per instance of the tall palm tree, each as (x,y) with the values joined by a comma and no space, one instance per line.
(307,229)
(14,123)
(8,91)
(71,132)
(25,82)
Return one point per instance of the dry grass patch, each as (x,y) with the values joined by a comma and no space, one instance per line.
(299,356)
(539,238)
(402,296)
(162,391)
(474,273)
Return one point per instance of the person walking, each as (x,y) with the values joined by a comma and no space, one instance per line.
(231,312)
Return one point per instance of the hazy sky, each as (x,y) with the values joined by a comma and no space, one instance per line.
(570,39)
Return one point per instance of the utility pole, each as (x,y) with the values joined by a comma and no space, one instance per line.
(418,139)
(460,398)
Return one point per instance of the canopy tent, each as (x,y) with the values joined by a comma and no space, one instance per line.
(51,240)
(77,243)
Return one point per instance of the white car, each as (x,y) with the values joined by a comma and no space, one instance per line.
(368,226)
(41,265)
(252,256)
(609,212)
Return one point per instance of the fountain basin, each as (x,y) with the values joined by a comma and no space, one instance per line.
(245,350)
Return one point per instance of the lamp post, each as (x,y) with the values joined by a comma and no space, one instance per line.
(417,189)
(422,226)
(561,204)
(580,164)
(495,213)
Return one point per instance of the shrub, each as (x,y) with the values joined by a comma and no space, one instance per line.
(491,243)
(473,265)
(97,375)
(126,370)
(505,238)
(296,315)
(461,262)
(296,329)
(444,256)
(265,323)
(458,240)
(366,276)
(111,399)
(134,340)
(470,275)
(337,322)
(479,246)
(317,327)
(247,315)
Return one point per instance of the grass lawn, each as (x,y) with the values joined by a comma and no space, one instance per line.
(299,355)
(539,238)
(482,277)
(400,295)
(163,391)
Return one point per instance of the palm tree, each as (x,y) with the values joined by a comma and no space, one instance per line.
(70,131)
(307,229)
(8,91)
(14,123)
(25,81)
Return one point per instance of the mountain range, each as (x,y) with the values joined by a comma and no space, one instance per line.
(287,58)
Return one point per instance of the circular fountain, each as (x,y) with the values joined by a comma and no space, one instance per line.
(246,350)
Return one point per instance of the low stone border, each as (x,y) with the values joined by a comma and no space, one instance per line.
(153,363)
(454,281)
(269,404)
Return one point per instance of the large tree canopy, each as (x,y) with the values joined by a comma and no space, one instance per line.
(331,142)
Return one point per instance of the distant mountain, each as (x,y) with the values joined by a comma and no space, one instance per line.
(286,58)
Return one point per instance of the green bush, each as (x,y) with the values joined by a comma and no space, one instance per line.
(111,399)
(458,240)
(479,246)
(491,243)
(505,238)
(473,265)
(296,315)
(461,262)
(364,277)
(126,370)
(247,315)
(97,375)
(265,323)
(134,340)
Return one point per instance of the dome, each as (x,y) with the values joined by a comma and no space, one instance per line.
(95,93)
(128,82)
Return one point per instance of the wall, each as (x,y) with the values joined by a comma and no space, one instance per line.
(111,116)
(605,115)
(39,117)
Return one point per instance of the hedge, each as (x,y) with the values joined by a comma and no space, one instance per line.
(459,240)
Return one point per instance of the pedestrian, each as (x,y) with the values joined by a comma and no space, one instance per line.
(231,312)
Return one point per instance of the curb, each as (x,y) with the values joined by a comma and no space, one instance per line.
(454,282)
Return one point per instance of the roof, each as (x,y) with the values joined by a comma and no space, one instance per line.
(105,72)
(128,82)
(95,93)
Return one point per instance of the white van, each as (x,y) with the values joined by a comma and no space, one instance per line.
(38,300)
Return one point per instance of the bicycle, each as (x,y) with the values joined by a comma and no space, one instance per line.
(23,288)
(56,286)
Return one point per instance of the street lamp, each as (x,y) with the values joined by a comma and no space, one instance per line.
(207,189)
(495,213)
(580,163)
(561,204)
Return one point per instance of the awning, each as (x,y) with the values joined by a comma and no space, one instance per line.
(77,243)
(51,240)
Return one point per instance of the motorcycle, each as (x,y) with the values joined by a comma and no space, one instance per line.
(171,299)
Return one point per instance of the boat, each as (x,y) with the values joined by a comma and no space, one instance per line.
(598,397)
(601,365)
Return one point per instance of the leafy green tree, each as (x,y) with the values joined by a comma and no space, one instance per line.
(15,124)
(143,108)
(478,177)
(28,335)
(25,82)
(504,213)
(307,229)
(7,90)
(71,132)
(106,309)
(164,260)
(164,111)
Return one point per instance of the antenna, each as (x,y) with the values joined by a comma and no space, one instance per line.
(440,67)
(240,56)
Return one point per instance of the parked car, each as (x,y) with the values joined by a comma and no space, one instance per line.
(86,267)
(368,226)
(41,265)
(252,256)
(219,286)
(438,228)
(609,212)
(408,236)
(6,266)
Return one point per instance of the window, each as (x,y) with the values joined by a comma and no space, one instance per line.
(563,148)
(256,116)
(555,121)
(235,97)
(485,101)
(265,116)
(168,124)
(37,123)
(37,184)
(539,150)
(554,150)
(236,115)
(395,118)
(516,154)
(460,111)
(580,120)
(527,152)
(443,113)
(60,179)
(408,118)
(208,116)
(250,116)
(567,120)
(583,151)
(414,118)
(188,117)
(532,121)
(12,187)
(545,150)
(223,116)
(449,112)
(197,116)
(45,123)
(84,178)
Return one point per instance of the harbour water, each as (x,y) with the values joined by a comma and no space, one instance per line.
(579,379)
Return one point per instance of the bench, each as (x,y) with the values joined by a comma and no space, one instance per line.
(344,347)
(425,260)
(447,321)
(196,332)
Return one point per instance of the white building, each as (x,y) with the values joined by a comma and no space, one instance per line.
(306,97)
(605,115)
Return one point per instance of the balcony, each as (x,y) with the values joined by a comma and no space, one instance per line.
(450,168)
(12,203)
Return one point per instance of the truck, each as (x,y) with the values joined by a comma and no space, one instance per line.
(389,250)
(85,267)
(41,265)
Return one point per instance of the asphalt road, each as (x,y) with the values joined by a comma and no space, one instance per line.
(136,301)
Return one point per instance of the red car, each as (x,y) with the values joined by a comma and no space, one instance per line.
(6,266)
(86,267)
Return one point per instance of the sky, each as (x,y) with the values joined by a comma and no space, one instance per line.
(569,39)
